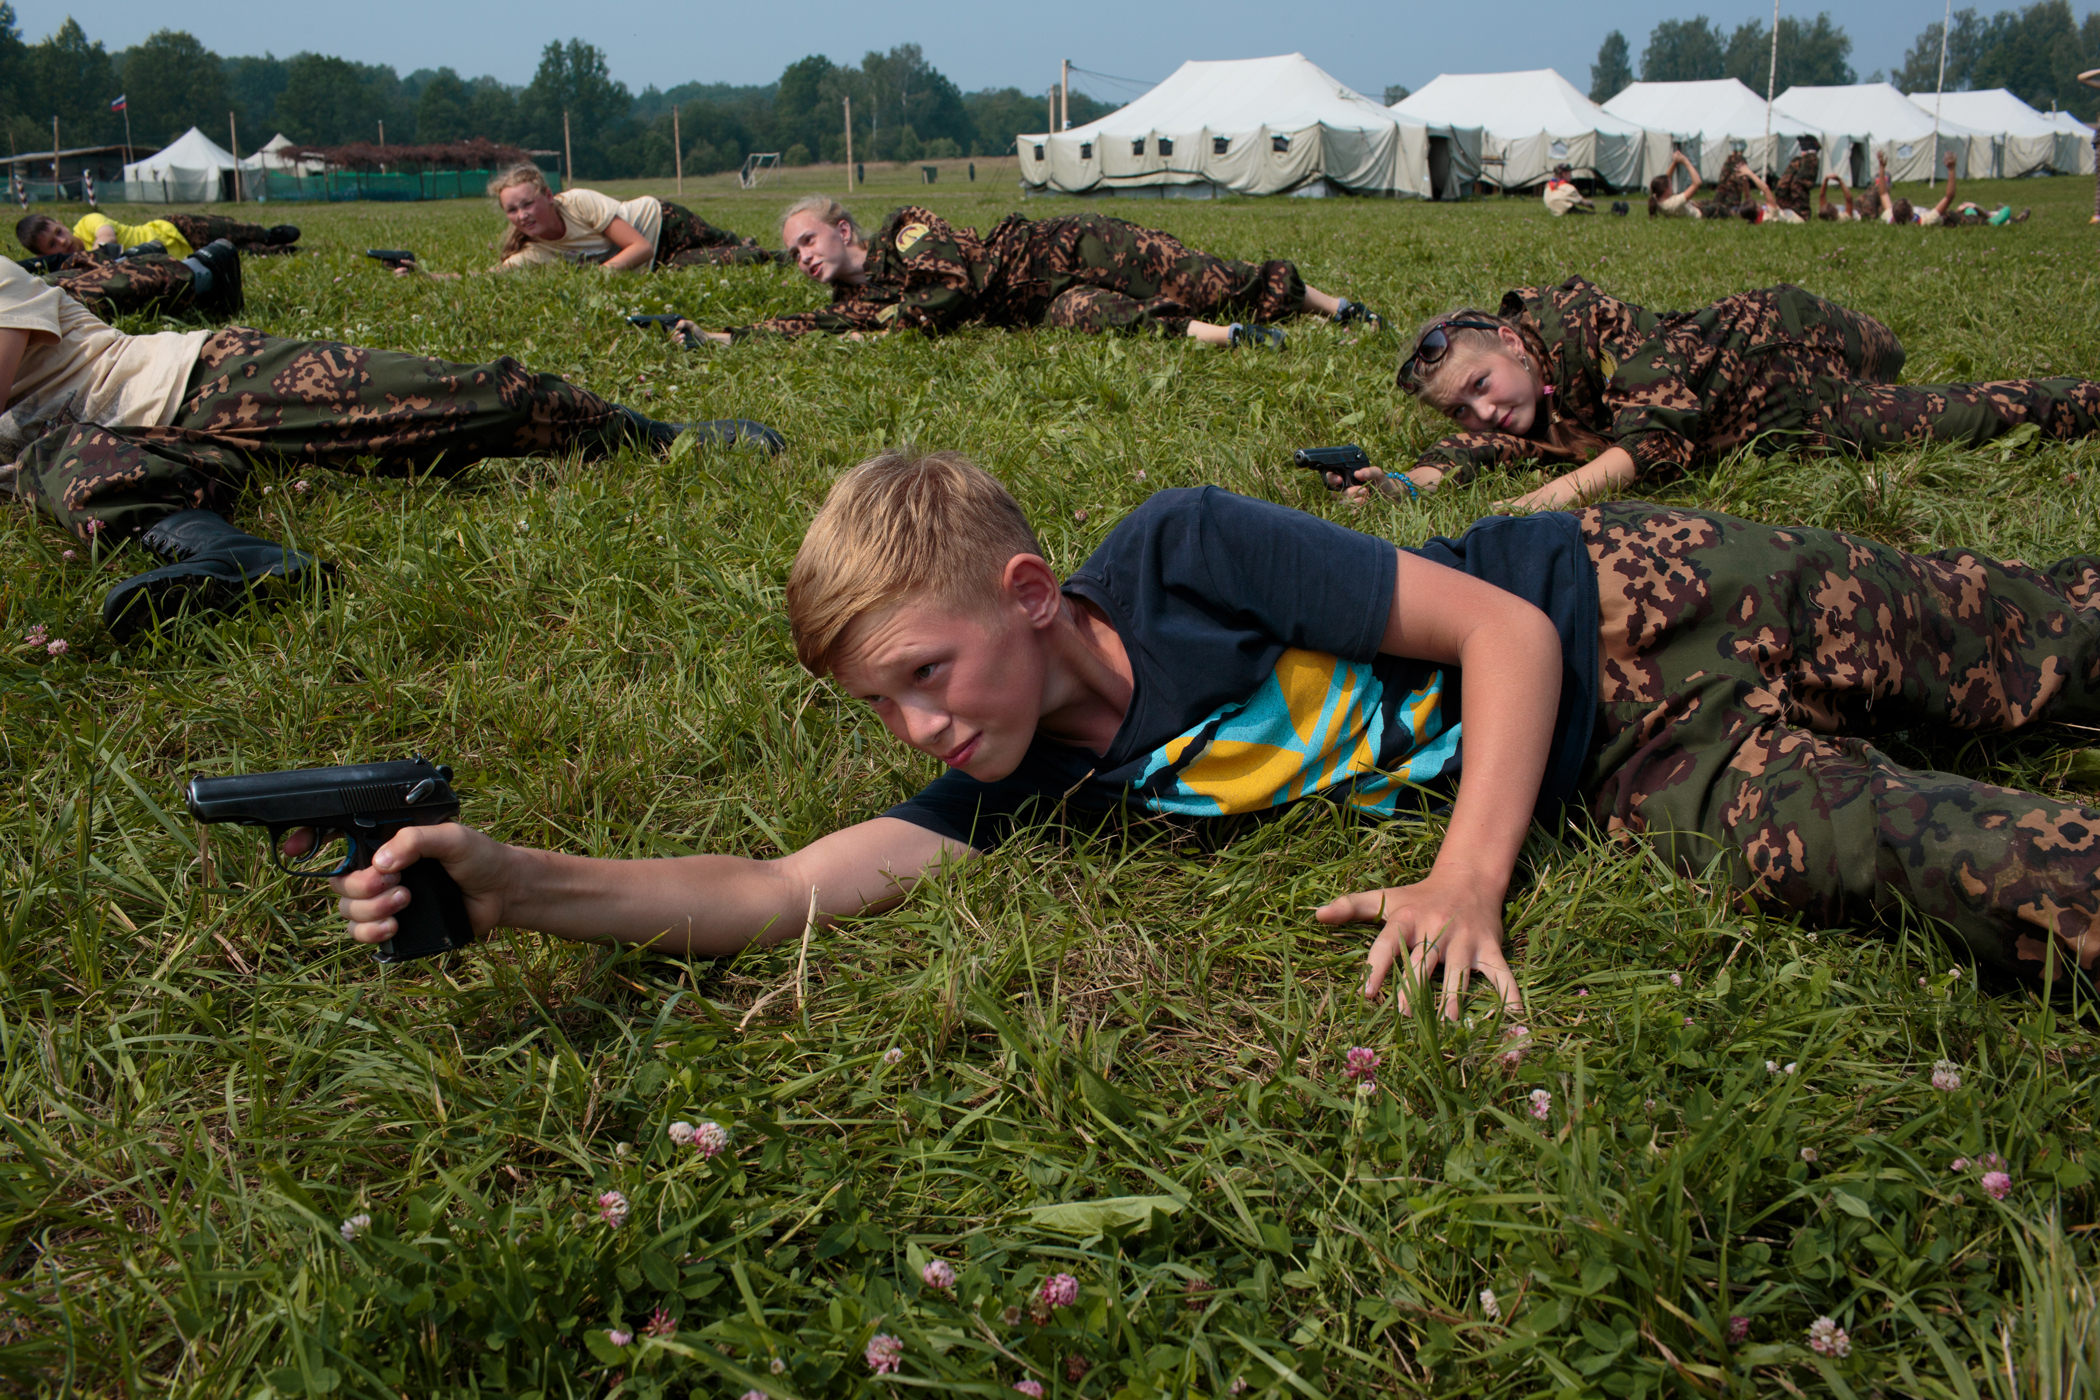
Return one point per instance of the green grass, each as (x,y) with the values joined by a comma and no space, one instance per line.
(200,1079)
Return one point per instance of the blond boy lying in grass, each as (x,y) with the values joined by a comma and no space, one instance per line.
(1702,679)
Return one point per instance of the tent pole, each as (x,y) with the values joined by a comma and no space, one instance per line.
(1051,122)
(849,145)
(1064,94)
(1940,88)
(678,150)
(233,134)
(1771,86)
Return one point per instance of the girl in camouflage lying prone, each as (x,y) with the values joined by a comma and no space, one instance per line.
(1087,272)
(1570,375)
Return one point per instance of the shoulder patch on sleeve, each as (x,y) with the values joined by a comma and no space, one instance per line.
(909,235)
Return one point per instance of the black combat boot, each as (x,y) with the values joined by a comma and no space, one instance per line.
(221,263)
(641,430)
(217,568)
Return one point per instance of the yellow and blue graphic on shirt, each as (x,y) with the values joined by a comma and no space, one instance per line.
(1317,723)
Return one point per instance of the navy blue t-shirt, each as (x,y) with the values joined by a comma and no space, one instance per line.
(1253,632)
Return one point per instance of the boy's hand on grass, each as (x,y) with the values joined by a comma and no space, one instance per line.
(1440,920)
(372,896)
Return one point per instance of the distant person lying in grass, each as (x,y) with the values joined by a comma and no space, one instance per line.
(1674,673)
(1663,204)
(178,234)
(1568,374)
(584,226)
(1561,195)
(155,435)
(1765,207)
(1946,212)
(1087,272)
(1845,213)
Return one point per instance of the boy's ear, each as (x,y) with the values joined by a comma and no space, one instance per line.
(1030,584)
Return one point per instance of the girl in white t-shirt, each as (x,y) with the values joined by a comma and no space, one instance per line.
(584,226)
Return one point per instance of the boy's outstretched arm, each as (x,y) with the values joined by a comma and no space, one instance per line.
(700,906)
(1509,654)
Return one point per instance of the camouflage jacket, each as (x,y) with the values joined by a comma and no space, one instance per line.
(926,274)
(1679,388)
(1799,182)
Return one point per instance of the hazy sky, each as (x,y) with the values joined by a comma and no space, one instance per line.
(1365,43)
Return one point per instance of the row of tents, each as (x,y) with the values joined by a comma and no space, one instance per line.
(1285,126)
(194,169)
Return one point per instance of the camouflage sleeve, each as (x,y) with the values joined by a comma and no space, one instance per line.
(1655,415)
(1461,456)
(850,314)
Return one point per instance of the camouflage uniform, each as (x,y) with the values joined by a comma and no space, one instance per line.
(1087,272)
(308,402)
(1743,669)
(1774,369)
(1735,189)
(1798,183)
(110,287)
(686,240)
(251,239)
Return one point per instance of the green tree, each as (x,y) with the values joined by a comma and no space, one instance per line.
(254,85)
(14,63)
(492,110)
(1613,69)
(1812,53)
(1000,115)
(328,101)
(73,79)
(603,135)
(1397,92)
(172,83)
(442,108)
(2035,53)
(1683,51)
(1920,71)
(804,110)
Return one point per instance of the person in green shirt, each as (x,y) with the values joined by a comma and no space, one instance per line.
(183,234)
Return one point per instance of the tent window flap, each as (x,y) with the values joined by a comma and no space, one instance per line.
(1086,150)
(1219,145)
(1166,145)
(1280,144)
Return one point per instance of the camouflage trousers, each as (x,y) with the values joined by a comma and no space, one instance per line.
(1870,418)
(254,398)
(1744,670)
(687,240)
(145,282)
(1108,275)
(1735,189)
(200,229)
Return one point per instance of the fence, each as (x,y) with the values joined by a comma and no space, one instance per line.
(336,186)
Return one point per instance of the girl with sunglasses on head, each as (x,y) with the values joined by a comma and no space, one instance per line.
(1570,375)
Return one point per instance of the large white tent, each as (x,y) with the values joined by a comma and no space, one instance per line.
(1877,119)
(1278,125)
(2075,154)
(270,156)
(2027,139)
(1535,120)
(1710,119)
(192,170)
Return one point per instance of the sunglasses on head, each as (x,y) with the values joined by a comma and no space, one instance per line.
(1436,343)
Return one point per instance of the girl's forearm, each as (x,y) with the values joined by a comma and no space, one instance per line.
(1511,696)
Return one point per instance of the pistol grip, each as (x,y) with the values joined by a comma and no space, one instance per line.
(435,920)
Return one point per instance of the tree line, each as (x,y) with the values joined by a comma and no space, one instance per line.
(2036,52)
(903,107)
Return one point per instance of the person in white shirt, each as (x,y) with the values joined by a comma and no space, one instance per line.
(1562,197)
(584,226)
(155,436)
(1661,203)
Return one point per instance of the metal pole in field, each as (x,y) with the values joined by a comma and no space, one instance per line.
(568,153)
(56,192)
(1064,98)
(1050,122)
(127,131)
(678,150)
(1940,88)
(849,145)
(1771,85)
(233,133)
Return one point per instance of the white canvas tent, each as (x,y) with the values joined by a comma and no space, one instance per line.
(2074,152)
(1253,126)
(2027,140)
(192,170)
(1710,119)
(1875,118)
(1533,121)
(270,156)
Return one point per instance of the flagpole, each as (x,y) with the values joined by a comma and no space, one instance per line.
(1772,84)
(1940,89)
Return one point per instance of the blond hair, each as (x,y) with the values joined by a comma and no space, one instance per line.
(903,526)
(1430,383)
(827,210)
(523,173)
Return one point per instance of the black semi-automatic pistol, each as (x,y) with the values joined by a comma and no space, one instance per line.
(1344,462)
(349,813)
(392,257)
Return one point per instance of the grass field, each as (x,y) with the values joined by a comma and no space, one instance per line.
(1120,1060)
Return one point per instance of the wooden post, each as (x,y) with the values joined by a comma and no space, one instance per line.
(1064,94)
(678,150)
(1051,120)
(233,134)
(849,145)
(54,157)
(568,153)
(382,135)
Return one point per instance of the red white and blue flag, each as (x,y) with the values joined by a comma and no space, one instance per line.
(118,105)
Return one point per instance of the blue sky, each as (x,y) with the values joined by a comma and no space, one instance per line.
(1365,43)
